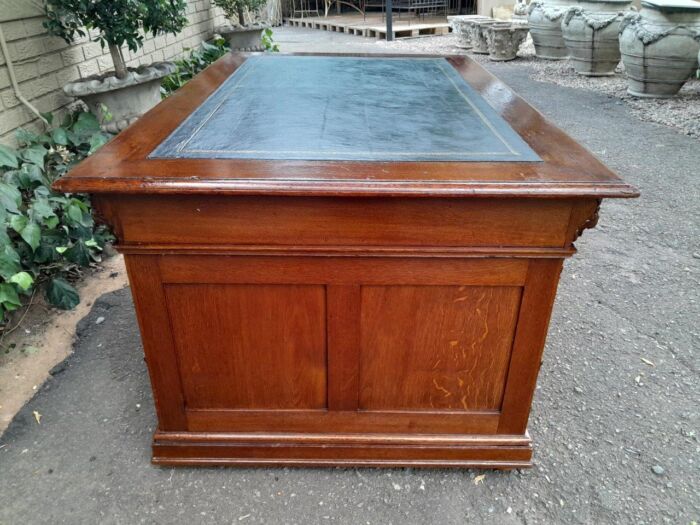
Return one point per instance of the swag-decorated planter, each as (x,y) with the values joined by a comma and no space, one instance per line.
(590,32)
(544,19)
(659,46)
(118,102)
(504,40)
(478,36)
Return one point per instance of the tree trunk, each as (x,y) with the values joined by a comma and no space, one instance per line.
(241,17)
(119,66)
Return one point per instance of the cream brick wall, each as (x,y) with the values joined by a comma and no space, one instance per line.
(44,64)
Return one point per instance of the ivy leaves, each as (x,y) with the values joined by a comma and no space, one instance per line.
(8,157)
(29,231)
(189,66)
(61,294)
(47,237)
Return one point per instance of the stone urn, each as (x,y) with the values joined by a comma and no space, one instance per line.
(243,38)
(504,40)
(544,19)
(659,46)
(590,33)
(478,36)
(118,102)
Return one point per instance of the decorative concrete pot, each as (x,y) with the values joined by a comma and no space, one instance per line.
(590,33)
(456,20)
(659,46)
(455,24)
(504,40)
(243,38)
(125,99)
(463,33)
(461,27)
(478,36)
(544,18)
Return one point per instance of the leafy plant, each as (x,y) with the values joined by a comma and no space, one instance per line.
(196,61)
(118,22)
(268,43)
(46,236)
(237,8)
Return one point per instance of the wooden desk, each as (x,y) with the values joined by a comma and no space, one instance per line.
(310,302)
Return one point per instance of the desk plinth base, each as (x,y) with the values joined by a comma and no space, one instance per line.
(349,450)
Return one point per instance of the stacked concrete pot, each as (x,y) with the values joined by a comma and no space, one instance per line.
(659,46)
(590,32)
(544,19)
(478,36)
(462,27)
(503,40)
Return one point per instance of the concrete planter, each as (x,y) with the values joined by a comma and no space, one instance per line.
(504,40)
(478,36)
(659,46)
(461,27)
(590,33)
(544,19)
(455,21)
(243,38)
(125,99)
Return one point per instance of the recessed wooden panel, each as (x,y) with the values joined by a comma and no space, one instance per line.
(250,346)
(436,347)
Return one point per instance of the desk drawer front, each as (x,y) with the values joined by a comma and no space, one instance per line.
(231,221)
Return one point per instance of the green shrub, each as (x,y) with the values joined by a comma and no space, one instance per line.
(117,22)
(199,59)
(47,237)
(236,8)
(196,61)
(268,42)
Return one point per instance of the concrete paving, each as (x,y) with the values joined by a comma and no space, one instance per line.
(615,417)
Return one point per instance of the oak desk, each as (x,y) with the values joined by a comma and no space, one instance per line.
(344,260)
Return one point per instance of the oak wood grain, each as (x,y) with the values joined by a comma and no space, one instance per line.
(341,270)
(242,346)
(448,347)
(157,339)
(343,311)
(528,345)
(353,421)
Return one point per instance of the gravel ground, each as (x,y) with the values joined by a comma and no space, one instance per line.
(615,417)
(681,112)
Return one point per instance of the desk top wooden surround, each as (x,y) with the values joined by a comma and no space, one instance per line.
(362,300)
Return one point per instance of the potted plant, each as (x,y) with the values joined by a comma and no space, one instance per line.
(118,97)
(241,36)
